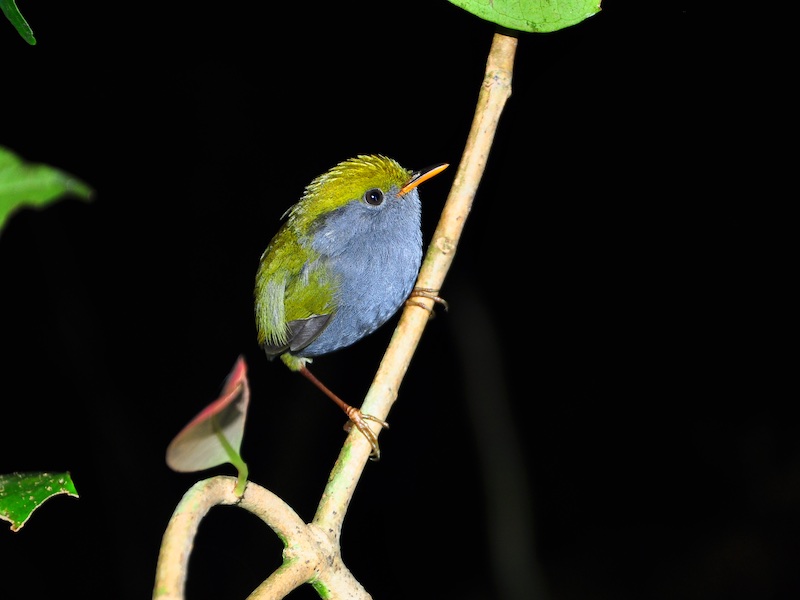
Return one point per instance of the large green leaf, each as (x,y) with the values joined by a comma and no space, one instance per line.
(27,184)
(535,16)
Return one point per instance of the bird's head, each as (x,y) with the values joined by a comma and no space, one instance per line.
(368,192)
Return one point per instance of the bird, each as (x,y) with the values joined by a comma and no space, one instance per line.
(342,263)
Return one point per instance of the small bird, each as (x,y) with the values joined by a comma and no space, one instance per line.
(342,264)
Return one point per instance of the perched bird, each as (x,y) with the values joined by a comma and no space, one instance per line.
(341,265)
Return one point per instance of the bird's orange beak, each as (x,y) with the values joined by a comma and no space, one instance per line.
(419,176)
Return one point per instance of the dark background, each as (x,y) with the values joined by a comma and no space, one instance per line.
(597,416)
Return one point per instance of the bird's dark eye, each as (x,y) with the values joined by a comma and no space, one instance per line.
(373,196)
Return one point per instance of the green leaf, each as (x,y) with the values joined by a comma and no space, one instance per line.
(18,21)
(23,493)
(26,184)
(534,16)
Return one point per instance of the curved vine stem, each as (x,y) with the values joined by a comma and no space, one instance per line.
(308,554)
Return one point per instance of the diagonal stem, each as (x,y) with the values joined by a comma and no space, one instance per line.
(495,91)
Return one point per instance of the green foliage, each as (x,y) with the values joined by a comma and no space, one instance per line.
(12,13)
(534,16)
(22,493)
(25,184)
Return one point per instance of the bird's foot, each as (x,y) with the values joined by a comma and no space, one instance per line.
(429,293)
(359,419)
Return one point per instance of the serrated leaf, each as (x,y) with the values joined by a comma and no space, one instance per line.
(33,184)
(23,493)
(533,16)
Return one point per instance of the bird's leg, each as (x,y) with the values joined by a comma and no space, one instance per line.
(430,293)
(355,415)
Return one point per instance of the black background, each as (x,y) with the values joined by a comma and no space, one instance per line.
(597,416)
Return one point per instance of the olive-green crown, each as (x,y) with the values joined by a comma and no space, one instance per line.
(348,181)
